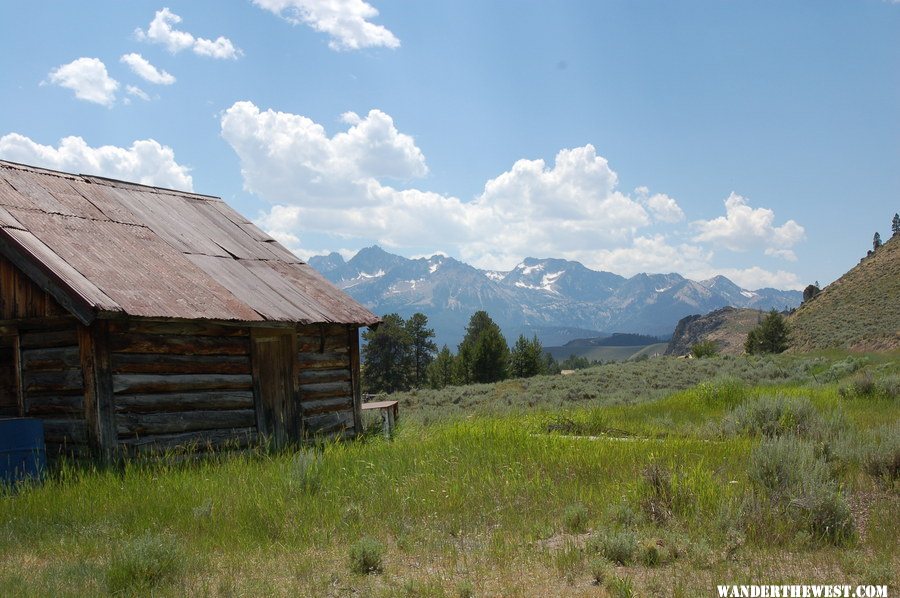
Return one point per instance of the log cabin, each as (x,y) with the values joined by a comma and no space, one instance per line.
(135,318)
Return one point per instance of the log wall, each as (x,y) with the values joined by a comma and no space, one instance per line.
(326,379)
(181,383)
(53,385)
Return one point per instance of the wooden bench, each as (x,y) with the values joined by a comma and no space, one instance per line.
(389,413)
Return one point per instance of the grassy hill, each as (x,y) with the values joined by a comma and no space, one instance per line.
(859,311)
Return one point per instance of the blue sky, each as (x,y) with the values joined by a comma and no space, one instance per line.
(760,140)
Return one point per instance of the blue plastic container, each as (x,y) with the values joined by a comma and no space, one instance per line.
(23,455)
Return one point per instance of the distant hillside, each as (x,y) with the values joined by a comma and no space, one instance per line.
(860,310)
(726,327)
(606,354)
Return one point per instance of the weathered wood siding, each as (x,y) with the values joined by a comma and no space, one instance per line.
(326,375)
(53,385)
(9,403)
(21,298)
(181,383)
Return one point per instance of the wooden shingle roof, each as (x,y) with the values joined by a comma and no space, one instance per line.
(107,248)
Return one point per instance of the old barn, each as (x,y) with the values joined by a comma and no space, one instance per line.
(134,317)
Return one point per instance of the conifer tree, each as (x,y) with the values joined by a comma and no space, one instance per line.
(527,358)
(483,353)
(422,347)
(387,356)
(876,241)
(770,336)
(895,225)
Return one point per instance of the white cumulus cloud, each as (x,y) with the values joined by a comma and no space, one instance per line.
(137,92)
(346,21)
(744,228)
(162,31)
(146,161)
(146,71)
(88,78)
(355,184)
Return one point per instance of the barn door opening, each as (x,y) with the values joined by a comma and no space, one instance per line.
(9,385)
(275,386)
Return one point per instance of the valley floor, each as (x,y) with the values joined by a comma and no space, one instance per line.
(659,478)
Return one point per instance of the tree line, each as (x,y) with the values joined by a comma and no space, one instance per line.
(401,354)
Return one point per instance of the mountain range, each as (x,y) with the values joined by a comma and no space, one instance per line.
(556,299)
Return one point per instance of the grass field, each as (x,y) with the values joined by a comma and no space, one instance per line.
(663,477)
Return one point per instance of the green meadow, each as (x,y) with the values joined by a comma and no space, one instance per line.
(662,477)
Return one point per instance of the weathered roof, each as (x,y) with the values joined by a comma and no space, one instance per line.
(104,248)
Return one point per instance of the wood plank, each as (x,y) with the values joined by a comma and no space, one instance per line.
(56,358)
(335,375)
(45,339)
(72,405)
(329,423)
(310,408)
(181,345)
(274,385)
(327,343)
(142,363)
(68,431)
(17,365)
(185,401)
(144,424)
(65,381)
(321,390)
(206,439)
(324,360)
(178,328)
(149,383)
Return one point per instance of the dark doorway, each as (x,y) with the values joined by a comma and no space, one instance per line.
(277,411)
(9,399)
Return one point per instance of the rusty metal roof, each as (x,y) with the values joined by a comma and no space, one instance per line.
(118,248)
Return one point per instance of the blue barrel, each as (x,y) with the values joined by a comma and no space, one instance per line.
(23,454)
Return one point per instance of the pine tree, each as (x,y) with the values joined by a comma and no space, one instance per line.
(387,356)
(423,348)
(895,225)
(876,242)
(442,370)
(483,353)
(527,358)
(770,336)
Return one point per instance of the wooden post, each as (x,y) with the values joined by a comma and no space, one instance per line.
(353,340)
(20,378)
(99,403)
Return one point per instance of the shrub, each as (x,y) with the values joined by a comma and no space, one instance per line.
(881,456)
(783,465)
(366,556)
(465,589)
(798,485)
(144,563)
(619,547)
(306,469)
(704,349)
(776,416)
(658,505)
(601,569)
(652,553)
(575,518)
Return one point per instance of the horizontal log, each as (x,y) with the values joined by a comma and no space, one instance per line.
(64,381)
(321,390)
(324,360)
(185,401)
(328,423)
(335,375)
(147,383)
(144,424)
(201,440)
(330,344)
(143,363)
(177,328)
(34,339)
(54,405)
(179,345)
(310,408)
(316,330)
(57,358)
(68,431)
